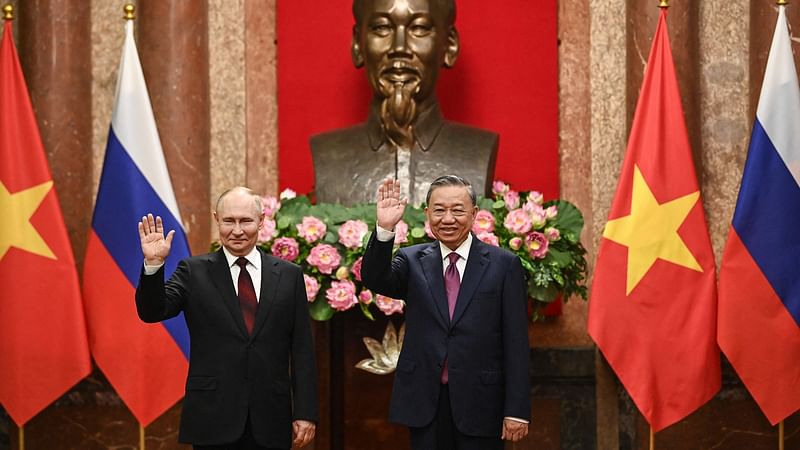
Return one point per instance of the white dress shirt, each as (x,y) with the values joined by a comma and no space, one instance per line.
(253,268)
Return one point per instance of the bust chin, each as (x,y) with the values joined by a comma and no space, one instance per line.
(349,163)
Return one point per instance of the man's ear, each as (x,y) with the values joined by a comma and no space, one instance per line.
(355,50)
(451,53)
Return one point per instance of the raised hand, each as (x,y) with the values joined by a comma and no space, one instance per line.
(389,204)
(155,246)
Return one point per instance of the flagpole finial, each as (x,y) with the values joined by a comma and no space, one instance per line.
(130,11)
(782,2)
(8,12)
(663,3)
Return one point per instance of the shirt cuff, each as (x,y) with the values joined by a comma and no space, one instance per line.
(516,419)
(150,270)
(383,234)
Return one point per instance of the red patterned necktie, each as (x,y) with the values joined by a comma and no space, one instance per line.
(452,284)
(247,295)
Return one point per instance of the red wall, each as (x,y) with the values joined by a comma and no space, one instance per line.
(505,80)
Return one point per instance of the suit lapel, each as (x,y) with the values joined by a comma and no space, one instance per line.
(431,261)
(477,263)
(221,275)
(269,285)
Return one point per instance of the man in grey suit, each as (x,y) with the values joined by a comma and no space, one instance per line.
(462,380)
(252,380)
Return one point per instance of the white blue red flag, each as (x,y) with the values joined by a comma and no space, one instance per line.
(759,295)
(145,363)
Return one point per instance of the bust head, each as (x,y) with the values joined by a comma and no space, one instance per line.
(403,44)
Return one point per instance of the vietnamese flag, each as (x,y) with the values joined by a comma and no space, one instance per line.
(43,346)
(652,310)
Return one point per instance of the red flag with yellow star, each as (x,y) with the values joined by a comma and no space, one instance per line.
(43,346)
(652,310)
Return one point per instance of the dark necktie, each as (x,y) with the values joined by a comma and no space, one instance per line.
(247,295)
(452,284)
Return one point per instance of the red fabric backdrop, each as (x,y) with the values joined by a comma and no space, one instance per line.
(505,80)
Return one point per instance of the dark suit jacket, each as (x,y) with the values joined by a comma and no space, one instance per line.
(486,343)
(271,375)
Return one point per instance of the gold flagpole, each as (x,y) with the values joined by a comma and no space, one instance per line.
(663,3)
(141,437)
(653,435)
(21,431)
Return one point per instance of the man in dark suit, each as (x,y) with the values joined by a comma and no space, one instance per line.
(462,378)
(252,376)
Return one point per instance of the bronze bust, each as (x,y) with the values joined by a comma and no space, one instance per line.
(402,44)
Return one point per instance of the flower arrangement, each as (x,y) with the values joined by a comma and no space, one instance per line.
(328,242)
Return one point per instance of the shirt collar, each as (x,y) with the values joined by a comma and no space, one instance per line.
(462,250)
(426,128)
(254,258)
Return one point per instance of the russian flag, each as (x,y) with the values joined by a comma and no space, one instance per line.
(759,295)
(145,363)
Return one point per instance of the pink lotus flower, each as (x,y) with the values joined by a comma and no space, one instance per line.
(311,229)
(538,220)
(534,209)
(356,269)
(551,211)
(515,243)
(518,222)
(365,296)
(484,222)
(512,200)
(342,273)
(312,287)
(536,244)
(287,193)
(271,206)
(400,233)
(428,231)
(325,258)
(285,248)
(341,295)
(389,305)
(552,234)
(352,232)
(267,231)
(499,188)
(535,197)
(489,238)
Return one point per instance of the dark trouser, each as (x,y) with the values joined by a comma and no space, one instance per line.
(442,434)
(246,442)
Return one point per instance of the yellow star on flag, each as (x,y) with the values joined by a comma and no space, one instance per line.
(16,229)
(651,231)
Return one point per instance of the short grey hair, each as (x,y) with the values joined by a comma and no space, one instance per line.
(451,180)
(257,198)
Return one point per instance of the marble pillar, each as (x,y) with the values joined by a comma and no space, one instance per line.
(55,53)
(262,96)
(173,47)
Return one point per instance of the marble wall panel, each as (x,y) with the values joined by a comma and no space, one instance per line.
(226,50)
(724,84)
(262,96)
